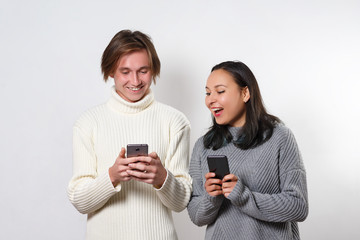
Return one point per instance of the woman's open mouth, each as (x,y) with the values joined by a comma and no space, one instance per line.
(217,111)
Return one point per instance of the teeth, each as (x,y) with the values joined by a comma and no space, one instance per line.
(216,109)
(134,89)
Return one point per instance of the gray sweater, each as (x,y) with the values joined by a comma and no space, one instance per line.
(269,198)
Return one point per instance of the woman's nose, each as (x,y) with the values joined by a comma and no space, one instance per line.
(210,99)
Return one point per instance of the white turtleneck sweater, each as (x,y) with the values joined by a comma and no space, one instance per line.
(131,210)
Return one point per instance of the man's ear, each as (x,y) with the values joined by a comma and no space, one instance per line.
(246,94)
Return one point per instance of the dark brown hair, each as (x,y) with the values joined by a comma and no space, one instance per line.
(125,42)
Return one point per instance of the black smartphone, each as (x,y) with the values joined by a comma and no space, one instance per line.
(219,165)
(134,150)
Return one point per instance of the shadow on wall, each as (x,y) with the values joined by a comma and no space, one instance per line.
(182,87)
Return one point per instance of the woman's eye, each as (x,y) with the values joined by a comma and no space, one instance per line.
(207,94)
(220,92)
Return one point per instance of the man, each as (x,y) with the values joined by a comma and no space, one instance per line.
(130,198)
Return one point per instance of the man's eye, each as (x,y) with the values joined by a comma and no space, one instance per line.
(144,71)
(125,73)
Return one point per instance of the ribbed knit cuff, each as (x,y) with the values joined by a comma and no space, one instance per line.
(93,196)
(236,193)
(174,193)
(214,200)
(166,182)
(108,182)
(105,184)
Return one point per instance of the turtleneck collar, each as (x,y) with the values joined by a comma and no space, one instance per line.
(235,131)
(119,104)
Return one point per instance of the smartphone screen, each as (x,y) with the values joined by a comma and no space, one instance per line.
(134,150)
(219,165)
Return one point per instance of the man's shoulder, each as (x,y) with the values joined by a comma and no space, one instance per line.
(171,112)
(90,115)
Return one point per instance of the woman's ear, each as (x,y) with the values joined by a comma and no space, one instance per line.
(245,94)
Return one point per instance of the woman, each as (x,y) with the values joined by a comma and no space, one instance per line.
(265,194)
(130,197)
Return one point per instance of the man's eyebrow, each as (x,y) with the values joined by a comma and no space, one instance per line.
(141,68)
(144,67)
(124,68)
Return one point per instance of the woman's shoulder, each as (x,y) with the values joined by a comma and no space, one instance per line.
(282,133)
(199,142)
(282,129)
(199,147)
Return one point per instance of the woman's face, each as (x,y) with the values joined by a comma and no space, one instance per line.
(132,76)
(225,99)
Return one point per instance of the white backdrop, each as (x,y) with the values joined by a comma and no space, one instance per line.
(305,55)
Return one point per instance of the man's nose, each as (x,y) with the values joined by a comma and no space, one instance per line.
(135,80)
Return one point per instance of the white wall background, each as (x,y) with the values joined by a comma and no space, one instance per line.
(305,55)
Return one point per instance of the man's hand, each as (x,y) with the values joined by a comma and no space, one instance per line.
(118,171)
(147,169)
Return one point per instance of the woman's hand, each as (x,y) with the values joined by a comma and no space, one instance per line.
(147,169)
(228,184)
(118,172)
(213,185)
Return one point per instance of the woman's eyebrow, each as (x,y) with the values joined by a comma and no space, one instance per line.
(216,86)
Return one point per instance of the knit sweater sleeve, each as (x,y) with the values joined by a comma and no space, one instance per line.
(88,191)
(291,203)
(176,190)
(203,208)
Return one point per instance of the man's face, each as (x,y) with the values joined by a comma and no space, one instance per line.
(133,76)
